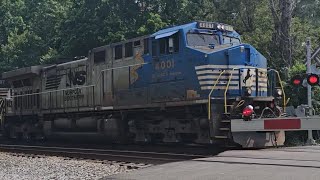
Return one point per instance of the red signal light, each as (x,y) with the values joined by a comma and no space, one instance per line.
(296,80)
(313,79)
(247,111)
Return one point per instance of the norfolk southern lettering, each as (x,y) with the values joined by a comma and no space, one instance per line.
(73,94)
(76,78)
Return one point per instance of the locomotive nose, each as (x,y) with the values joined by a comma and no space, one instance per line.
(243,54)
(247,65)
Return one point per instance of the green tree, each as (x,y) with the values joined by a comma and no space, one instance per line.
(21,50)
(29,31)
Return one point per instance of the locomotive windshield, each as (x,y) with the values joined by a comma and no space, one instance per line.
(196,40)
(231,40)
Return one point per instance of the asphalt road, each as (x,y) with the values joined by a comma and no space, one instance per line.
(297,163)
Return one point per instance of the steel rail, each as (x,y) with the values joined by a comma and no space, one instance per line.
(102,154)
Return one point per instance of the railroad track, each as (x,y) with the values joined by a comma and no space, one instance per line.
(102,154)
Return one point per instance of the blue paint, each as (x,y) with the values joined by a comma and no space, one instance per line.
(177,71)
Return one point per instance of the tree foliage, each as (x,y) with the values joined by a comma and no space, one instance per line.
(42,31)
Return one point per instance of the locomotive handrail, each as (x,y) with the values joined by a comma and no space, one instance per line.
(228,84)
(2,112)
(46,92)
(282,88)
(225,92)
(227,88)
(93,85)
(209,96)
(80,87)
(124,66)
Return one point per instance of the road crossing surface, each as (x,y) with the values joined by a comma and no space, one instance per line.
(294,163)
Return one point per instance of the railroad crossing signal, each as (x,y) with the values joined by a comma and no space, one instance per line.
(304,80)
(312,78)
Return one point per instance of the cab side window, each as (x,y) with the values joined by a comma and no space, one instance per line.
(163,45)
(154,48)
(137,43)
(99,57)
(128,49)
(118,52)
(169,45)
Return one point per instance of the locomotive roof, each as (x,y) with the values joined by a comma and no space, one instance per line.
(66,63)
(158,34)
(175,28)
(32,70)
(36,69)
(195,24)
(163,31)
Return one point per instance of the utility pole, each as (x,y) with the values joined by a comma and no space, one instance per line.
(309,90)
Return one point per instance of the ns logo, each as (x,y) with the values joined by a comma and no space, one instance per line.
(76,78)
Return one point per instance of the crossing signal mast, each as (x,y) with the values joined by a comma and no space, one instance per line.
(310,79)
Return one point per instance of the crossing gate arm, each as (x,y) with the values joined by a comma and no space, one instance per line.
(276,124)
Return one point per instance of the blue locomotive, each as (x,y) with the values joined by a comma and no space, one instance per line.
(181,84)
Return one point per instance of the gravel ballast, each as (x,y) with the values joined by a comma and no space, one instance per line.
(20,166)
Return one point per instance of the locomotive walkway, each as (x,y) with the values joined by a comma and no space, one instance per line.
(293,163)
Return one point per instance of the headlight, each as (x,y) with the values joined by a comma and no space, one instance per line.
(248,91)
(279,92)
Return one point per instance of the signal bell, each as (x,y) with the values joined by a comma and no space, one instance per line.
(313,79)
